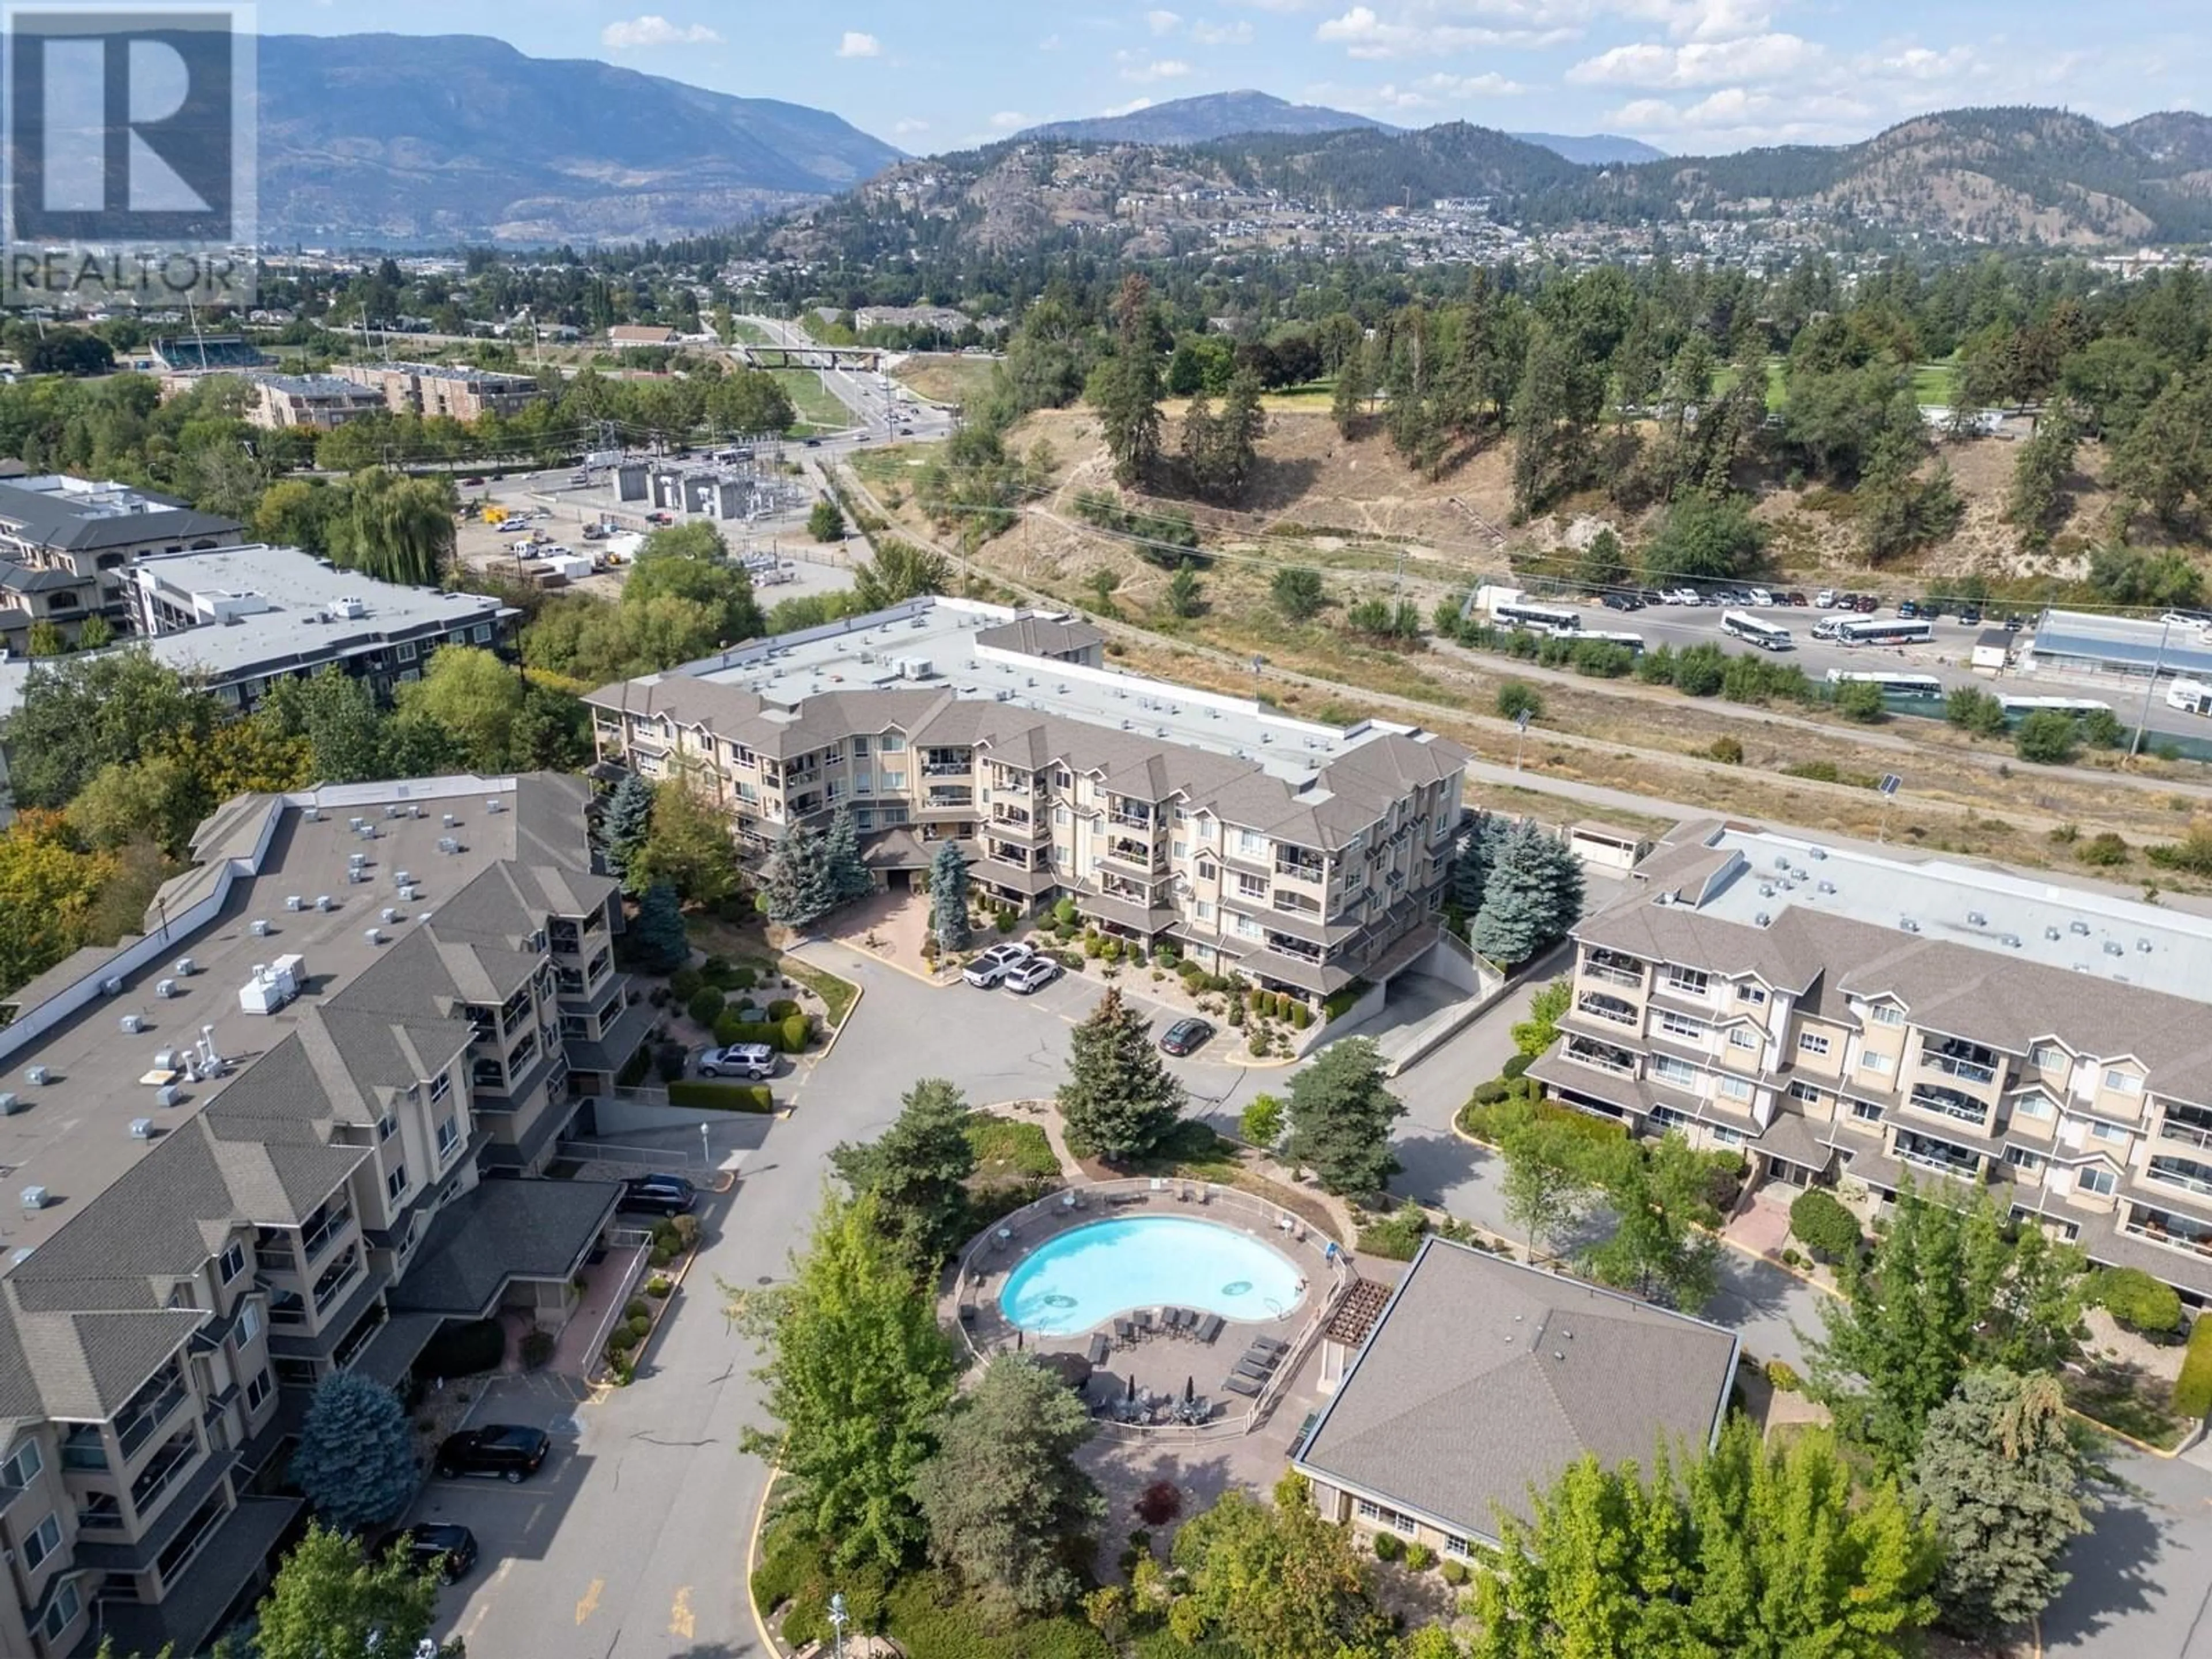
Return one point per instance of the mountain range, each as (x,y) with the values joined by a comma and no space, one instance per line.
(392,139)
(1215,115)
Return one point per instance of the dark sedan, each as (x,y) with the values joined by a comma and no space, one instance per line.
(508,1450)
(452,1548)
(1185,1036)
(658,1194)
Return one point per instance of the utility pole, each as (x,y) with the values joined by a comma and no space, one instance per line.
(2150,689)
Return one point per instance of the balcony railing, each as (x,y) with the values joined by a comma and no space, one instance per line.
(1939,1156)
(1944,1100)
(2179,1172)
(1293,870)
(1615,1060)
(948,769)
(334,1282)
(1605,1007)
(162,1471)
(2186,1134)
(1966,1070)
(2162,1232)
(319,1238)
(133,1432)
(1129,821)
(1605,975)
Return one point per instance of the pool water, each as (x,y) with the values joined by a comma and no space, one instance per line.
(1084,1277)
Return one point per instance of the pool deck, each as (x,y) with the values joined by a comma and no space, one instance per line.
(1161,1365)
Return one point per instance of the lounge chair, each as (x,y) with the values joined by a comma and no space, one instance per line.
(1181,1319)
(1099,1345)
(1247,1368)
(1142,1319)
(1208,1327)
(967,1313)
(1241,1385)
(1125,1332)
(1261,1357)
(1271,1345)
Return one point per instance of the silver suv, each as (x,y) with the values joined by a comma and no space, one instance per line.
(747,1060)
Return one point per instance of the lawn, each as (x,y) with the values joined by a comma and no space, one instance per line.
(947,378)
(745,943)
(749,333)
(2125,1398)
(817,406)
(1007,1148)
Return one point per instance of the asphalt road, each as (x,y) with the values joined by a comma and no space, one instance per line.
(631,1543)
(882,410)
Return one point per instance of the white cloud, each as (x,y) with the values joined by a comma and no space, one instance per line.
(1222,34)
(1129,108)
(1700,62)
(906,127)
(1161,22)
(1278,5)
(1050,43)
(856,44)
(1363,33)
(1007,120)
(1437,91)
(1139,69)
(654,30)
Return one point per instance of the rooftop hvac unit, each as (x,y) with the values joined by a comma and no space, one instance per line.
(356,876)
(2050,932)
(33,1200)
(407,895)
(324,902)
(1766,889)
(185,968)
(2142,944)
(166,1060)
(452,820)
(257,927)
(1762,919)
(168,1095)
(494,805)
(2112,948)
(165,988)
(1817,852)
(374,935)
(132,1024)
(369,832)
(2010,941)
(294,903)
(1908,924)
(1976,918)
(141,1128)
(1782,861)
(393,809)
(415,811)
(351,609)
(355,821)
(10,1104)
(356,857)
(401,879)
(37,1076)
(2080,928)
(111,987)
(447,844)
(313,815)
(391,913)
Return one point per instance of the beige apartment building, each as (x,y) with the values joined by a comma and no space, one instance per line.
(256,1147)
(434,390)
(1836,1013)
(320,402)
(1305,856)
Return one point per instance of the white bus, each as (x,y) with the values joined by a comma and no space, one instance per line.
(1537,618)
(1766,636)
(1633,642)
(2190,697)
(1894,685)
(2064,705)
(1885,630)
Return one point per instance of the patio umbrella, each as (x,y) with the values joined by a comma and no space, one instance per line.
(1133,1388)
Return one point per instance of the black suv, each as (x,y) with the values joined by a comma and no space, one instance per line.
(658,1194)
(506,1449)
(454,1548)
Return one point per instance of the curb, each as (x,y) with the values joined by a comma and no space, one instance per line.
(768,1643)
(600,1377)
(859,995)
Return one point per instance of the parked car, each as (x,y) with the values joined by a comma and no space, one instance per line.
(1653,596)
(508,1450)
(1760,596)
(452,1546)
(1826,599)
(1032,976)
(1620,602)
(1970,614)
(472,484)
(993,966)
(658,1194)
(2013,621)
(1868,602)
(1793,597)
(1908,607)
(746,1060)
(660,518)
(1185,1036)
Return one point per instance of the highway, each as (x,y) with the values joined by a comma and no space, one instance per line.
(884,410)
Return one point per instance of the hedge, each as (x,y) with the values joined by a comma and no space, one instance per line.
(2138,1302)
(789,1036)
(704,1005)
(1820,1222)
(721,1096)
(463,1348)
(2192,1389)
(1516,1066)
(930,1620)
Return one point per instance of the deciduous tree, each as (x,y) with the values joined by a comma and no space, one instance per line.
(475,697)
(80,713)
(687,845)
(1273,1581)
(1551,1175)
(1120,1099)
(332,1600)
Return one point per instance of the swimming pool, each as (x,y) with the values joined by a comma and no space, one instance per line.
(1084,1277)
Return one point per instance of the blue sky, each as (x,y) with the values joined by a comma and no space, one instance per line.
(1690,76)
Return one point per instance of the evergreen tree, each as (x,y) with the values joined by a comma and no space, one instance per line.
(1296,591)
(917,1171)
(2036,500)
(1126,386)
(1120,1101)
(1182,594)
(948,898)
(798,889)
(1470,872)
(1004,1496)
(1603,566)
(1349,398)
(1198,442)
(657,939)
(1236,434)
(859,1372)
(2001,1471)
(1340,1117)
(848,876)
(1533,895)
(355,1460)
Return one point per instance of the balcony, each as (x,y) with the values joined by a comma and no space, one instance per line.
(1310,871)
(1949,1103)
(2187,1174)
(2174,1232)
(1134,855)
(136,1423)
(943,798)
(322,1230)
(2187,1126)
(1598,1005)
(1606,975)
(163,1470)
(83,1450)
(1298,904)
(1602,1055)
(1966,1071)
(948,769)
(1941,1156)
(335,1279)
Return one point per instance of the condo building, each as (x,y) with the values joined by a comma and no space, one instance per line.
(1834,1013)
(290,1130)
(1305,856)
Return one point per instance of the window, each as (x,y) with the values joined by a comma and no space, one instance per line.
(258,1389)
(1689,981)
(2022,1159)
(1458,1546)
(2034,1106)
(481,633)
(61,1613)
(890,742)
(861,747)
(2108,1133)
(1724,1136)
(1680,1025)
(1735,1088)
(405,650)
(1182,850)
(441,1086)
(1805,1093)
(24,1467)
(386,1126)
(1249,843)
(1679,1073)
(1207,871)
(2045,1058)
(1754,994)
(1742,1036)
(1866,1111)
(1203,910)
(249,1324)
(395,1183)
(2096,1179)
(2121,1083)
(232,1262)
(1886,1014)
(1874,1062)
(41,1542)
(449,1136)
(1811,1042)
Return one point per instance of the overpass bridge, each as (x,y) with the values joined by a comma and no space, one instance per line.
(809,357)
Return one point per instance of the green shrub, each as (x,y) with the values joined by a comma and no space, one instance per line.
(1064,912)
(1727,750)
(1516,698)
(536,1349)
(2104,849)
(2192,1389)
(782,1008)
(661,1256)
(1301,1016)
(1823,1225)
(2137,1300)
(719,1096)
(1818,771)
(658,1286)
(1396,1236)
(1781,1376)
(1419,1557)
(1490,1093)
(463,1348)
(744,979)
(637,1308)
(705,1006)
(713,968)
(1457,1572)
(793,1033)
(1388,1547)
(634,1331)
(1516,1067)
(1262,1123)
(928,1618)
(683,984)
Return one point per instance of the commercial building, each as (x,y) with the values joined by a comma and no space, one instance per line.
(243,618)
(1482,1378)
(2087,642)
(1833,1012)
(432,390)
(641,334)
(95,532)
(254,1146)
(1305,856)
(321,403)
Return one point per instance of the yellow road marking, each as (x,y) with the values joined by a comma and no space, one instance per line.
(590,1604)
(681,1624)
(485,1599)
